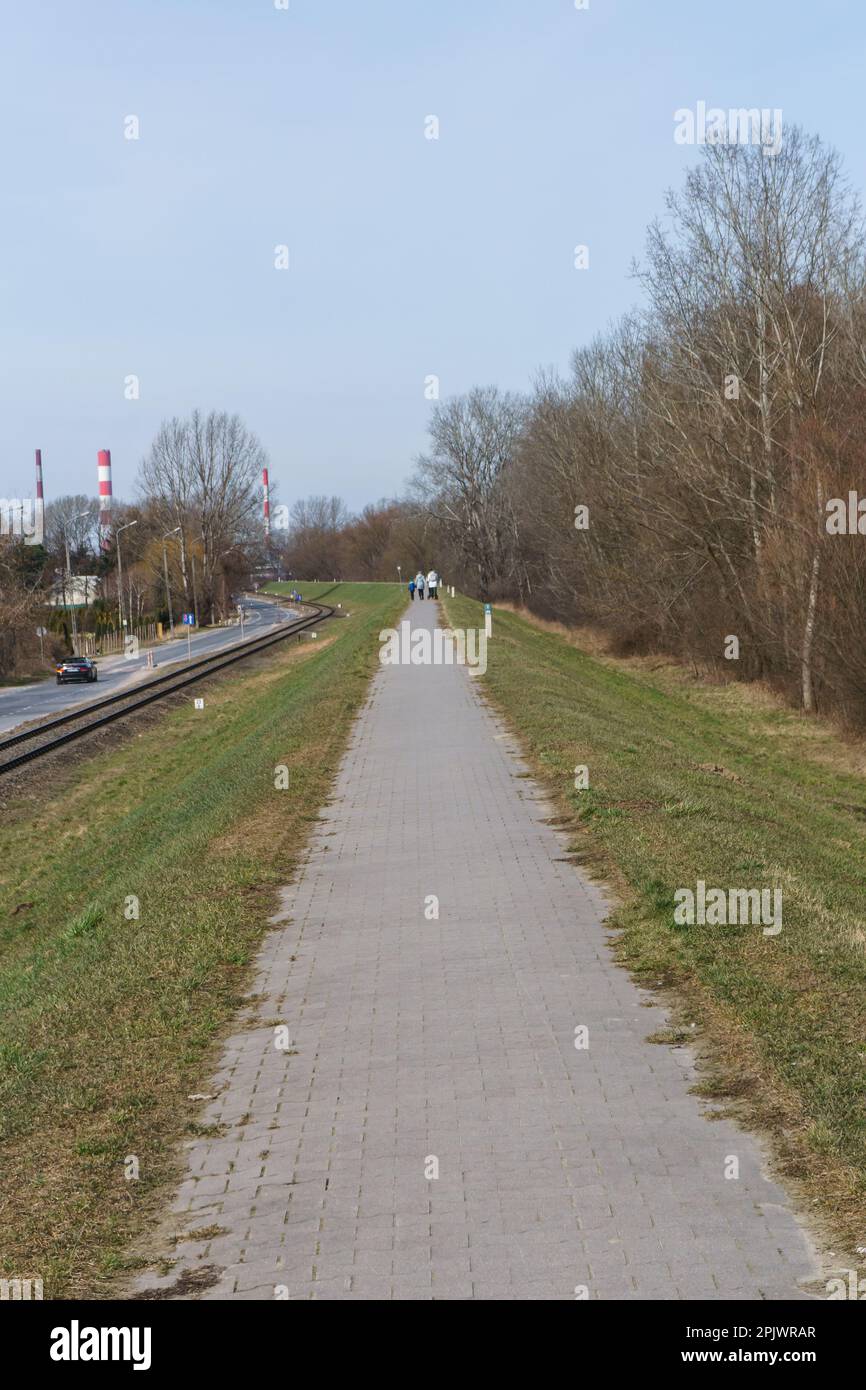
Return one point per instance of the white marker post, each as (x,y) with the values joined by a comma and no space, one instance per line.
(488,620)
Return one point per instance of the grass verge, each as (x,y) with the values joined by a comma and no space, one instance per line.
(107,1018)
(695,782)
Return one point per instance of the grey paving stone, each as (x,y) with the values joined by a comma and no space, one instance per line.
(453,1037)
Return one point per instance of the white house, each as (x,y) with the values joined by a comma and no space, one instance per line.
(75,592)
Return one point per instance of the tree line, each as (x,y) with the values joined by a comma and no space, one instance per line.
(691,486)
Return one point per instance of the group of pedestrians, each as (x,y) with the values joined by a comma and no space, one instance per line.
(417,585)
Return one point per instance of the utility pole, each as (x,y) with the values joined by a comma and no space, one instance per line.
(70,602)
(167,587)
(173,532)
(120,572)
(119,586)
(71,599)
(194,594)
(183,567)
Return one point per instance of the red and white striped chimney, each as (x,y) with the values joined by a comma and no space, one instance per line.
(103,469)
(267,496)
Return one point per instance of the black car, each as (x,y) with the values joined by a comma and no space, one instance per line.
(76,668)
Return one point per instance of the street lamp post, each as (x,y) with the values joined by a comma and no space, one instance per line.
(173,532)
(194,593)
(120,572)
(71,600)
(219,559)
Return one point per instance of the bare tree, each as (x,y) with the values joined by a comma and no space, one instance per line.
(473,443)
(202,474)
(70,519)
(674,487)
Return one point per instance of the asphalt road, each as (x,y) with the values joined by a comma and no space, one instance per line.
(20,704)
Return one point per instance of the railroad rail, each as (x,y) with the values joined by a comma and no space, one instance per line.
(86,718)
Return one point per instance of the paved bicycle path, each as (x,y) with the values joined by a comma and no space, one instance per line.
(416,1038)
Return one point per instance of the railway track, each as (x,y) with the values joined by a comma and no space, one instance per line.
(43,739)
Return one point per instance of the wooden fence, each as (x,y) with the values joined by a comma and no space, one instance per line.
(111,643)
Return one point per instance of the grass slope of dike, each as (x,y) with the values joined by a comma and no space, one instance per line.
(691,782)
(107,1021)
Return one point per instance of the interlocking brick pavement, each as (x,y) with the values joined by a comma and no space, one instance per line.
(453,1039)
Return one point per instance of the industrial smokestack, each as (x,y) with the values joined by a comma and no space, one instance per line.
(103,469)
(267,497)
(40,498)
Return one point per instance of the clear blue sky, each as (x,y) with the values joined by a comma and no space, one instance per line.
(408,257)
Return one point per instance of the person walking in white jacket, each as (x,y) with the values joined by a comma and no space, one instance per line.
(432,584)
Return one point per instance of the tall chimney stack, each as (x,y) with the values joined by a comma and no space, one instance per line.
(103,469)
(39,510)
